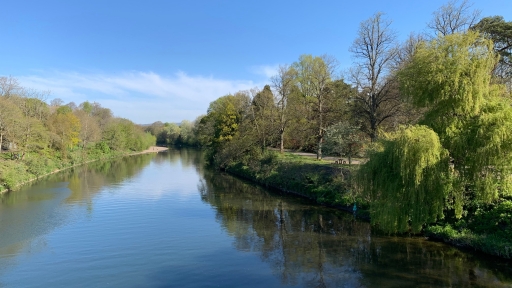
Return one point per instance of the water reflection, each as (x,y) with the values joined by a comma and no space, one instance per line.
(318,247)
(142,217)
(37,208)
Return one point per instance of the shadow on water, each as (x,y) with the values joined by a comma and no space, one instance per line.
(320,247)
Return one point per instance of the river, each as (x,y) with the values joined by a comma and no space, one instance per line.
(164,220)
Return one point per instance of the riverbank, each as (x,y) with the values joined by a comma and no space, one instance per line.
(489,230)
(323,182)
(16,173)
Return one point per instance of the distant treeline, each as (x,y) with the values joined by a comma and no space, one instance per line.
(37,137)
(182,134)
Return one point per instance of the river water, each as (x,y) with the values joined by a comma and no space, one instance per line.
(164,220)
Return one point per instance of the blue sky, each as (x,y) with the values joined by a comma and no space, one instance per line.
(167,60)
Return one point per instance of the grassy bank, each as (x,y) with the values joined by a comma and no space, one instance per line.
(322,181)
(486,229)
(15,173)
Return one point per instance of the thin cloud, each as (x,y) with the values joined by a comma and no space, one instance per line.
(143,97)
(265,70)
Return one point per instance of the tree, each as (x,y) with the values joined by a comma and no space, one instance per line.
(10,115)
(65,127)
(9,86)
(406,180)
(463,152)
(104,115)
(452,18)
(187,133)
(500,32)
(90,130)
(172,131)
(263,115)
(377,99)
(222,121)
(283,83)
(313,77)
(345,139)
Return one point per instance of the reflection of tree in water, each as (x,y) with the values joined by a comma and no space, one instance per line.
(319,247)
(294,238)
(87,180)
(83,181)
(187,157)
(33,210)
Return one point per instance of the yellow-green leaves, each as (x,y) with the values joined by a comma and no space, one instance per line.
(462,155)
(407,181)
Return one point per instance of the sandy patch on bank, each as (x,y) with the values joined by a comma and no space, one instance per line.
(154,149)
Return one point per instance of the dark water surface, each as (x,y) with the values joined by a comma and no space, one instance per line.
(163,220)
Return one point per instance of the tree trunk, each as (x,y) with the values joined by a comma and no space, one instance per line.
(319,150)
(320,132)
(281,148)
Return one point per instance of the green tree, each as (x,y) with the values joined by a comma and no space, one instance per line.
(406,181)
(500,32)
(283,83)
(464,155)
(90,131)
(345,139)
(314,74)
(263,112)
(451,77)
(65,127)
(221,123)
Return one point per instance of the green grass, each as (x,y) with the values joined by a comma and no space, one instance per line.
(497,244)
(319,180)
(14,173)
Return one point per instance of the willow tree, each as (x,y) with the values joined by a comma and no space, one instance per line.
(452,77)
(407,181)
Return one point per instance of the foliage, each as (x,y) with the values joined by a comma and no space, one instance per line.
(491,244)
(500,32)
(450,76)
(42,138)
(345,139)
(314,74)
(221,123)
(407,181)
(317,180)
(463,154)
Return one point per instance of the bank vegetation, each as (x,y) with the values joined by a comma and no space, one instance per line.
(38,138)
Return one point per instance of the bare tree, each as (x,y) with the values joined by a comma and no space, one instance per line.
(376,49)
(453,18)
(406,50)
(9,86)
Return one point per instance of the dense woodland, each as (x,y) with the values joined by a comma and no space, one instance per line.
(37,138)
(430,118)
